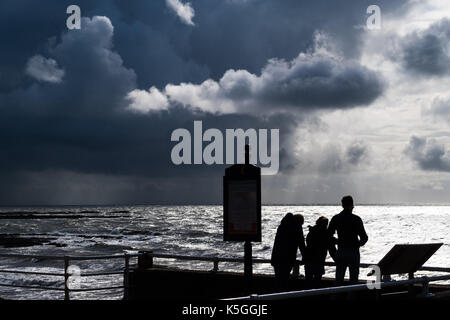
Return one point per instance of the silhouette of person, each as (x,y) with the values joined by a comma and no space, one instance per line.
(351,236)
(288,239)
(318,244)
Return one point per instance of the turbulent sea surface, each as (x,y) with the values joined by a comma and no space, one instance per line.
(186,230)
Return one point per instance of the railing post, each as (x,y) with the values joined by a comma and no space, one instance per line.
(145,259)
(126,274)
(411,286)
(216,265)
(248,265)
(426,289)
(387,278)
(66,278)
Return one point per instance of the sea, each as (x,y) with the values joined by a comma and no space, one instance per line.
(182,230)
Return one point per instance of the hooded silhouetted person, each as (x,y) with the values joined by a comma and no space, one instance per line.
(288,239)
(351,235)
(318,243)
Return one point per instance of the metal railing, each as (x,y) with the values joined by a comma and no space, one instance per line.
(67,274)
(217,260)
(148,256)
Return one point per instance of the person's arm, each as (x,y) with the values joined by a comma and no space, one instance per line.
(331,239)
(332,247)
(332,228)
(274,256)
(363,238)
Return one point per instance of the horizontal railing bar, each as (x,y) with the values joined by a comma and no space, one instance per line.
(199,258)
(186,257)
(61,274)
(333,264)
(33,273)
(100,274)
(341,289)
(96,289)
(121,256)
(29,256)
(106,257)
(30,287)
(256,260)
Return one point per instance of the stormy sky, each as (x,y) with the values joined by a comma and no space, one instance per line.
(86,115)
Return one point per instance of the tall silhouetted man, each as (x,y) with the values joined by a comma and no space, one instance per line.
(351,236)
(288,239)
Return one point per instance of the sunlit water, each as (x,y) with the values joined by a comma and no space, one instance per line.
(190,230)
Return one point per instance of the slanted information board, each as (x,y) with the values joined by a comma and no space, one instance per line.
(407,258)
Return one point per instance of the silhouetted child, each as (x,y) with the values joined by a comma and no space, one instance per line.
(318,243)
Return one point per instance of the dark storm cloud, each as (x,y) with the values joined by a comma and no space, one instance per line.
(356,153)
(321,82)
(162,49)
(335,159)
(73,188)
(428,154)
(95,79)
(331,160)
(116,159)
(427,52)
(29,26)
(234,34)
(254,31)
(62,93)
(81,124)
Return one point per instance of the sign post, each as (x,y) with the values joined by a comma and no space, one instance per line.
(242,208)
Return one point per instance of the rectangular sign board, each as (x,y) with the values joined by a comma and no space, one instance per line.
(242,209)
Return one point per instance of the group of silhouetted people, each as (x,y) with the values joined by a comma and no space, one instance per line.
(320,241)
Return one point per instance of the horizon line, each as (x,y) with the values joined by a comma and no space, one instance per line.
(221,204)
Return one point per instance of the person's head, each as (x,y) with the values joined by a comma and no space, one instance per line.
(322,223)
(299,219)
(347,203)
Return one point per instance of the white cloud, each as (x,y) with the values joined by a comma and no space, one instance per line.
(147,101)
(184,10)
(43,69)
